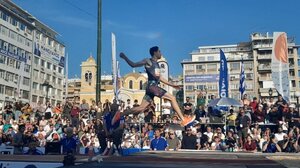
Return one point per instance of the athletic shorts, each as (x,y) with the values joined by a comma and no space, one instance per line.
(152,91)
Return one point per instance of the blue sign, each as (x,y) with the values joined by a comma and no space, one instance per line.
(223,82)
(12,55)
(202,78)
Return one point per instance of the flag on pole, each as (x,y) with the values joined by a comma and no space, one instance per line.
(242,80)
(280,65)
(223,81)
(114,62)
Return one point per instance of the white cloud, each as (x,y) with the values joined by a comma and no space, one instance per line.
(131,30)
(73,21)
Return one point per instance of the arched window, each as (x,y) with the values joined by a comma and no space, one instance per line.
(130,84)
(141,85)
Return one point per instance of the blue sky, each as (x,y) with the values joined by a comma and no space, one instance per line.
(177,26)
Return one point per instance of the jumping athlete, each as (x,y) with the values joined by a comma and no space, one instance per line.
(154,78)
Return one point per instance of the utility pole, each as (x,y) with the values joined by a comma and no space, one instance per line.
(98,83)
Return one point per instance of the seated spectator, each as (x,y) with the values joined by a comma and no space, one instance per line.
(271,145)
(250,144)
(217,144)
(230,142)
(209,134)
(173,141)
(288,143)
(189,141)
(158,143)
(279,136)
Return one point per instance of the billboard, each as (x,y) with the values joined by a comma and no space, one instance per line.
(202,78)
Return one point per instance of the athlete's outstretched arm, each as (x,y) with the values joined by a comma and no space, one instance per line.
(165,81)
(133,64)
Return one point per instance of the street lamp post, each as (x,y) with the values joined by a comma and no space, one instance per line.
(47,85)
(297,94)
(270,93)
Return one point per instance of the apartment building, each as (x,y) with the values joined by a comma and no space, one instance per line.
(32,56)
(201,72)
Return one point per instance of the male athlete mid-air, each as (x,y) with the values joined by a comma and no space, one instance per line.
(154,78)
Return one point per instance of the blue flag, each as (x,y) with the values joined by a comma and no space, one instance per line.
(242,80)
(223,81)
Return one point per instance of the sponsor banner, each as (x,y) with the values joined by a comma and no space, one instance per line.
(202,78)
(40,50)
(280,64)
(223,82)
(12,55)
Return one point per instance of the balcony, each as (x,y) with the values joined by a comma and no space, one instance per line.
(268,78)
(264,57)
(264,67)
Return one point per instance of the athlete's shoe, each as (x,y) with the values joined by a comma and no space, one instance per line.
(187,120)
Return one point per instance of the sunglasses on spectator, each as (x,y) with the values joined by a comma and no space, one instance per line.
(171,134)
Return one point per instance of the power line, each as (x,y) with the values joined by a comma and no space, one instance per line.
(78,8)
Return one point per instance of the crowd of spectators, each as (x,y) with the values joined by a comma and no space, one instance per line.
(260,125)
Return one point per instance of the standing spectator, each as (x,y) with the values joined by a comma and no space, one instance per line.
(8,110)
(39,110)
(84,107)
(57,110)
(18,140)
(243,123)
(18,112)
(250,144)
(231,118)
(173,141)
(282,107)
(271,102)
(48,111)
(259,115)
(158,143)
(254,104)
(200,112)
(135,103)
(26,110)
(201,99)
(106,106)
(188,106)
(128,106)
(166,110)
(99,113)
(66,113)
(75,111)
(69,142)
(245,100)
(93,109)
(274,115)
(189,141)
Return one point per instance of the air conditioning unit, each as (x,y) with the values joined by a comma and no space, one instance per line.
(232,78)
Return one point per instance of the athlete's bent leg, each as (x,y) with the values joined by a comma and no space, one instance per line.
(185,120)
(138,109)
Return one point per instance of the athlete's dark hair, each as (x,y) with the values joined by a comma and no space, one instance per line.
(152,50)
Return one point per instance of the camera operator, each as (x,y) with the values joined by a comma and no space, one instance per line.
(288,144)
(271,146)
